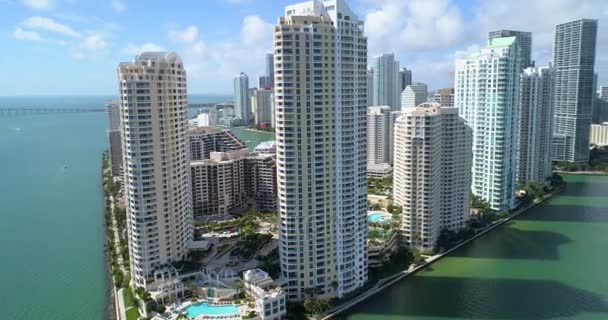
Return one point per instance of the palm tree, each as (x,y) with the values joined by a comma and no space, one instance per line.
(237,285)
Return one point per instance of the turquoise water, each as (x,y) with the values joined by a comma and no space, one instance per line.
(51,210)
(376,217)
(548,263)
(203,308)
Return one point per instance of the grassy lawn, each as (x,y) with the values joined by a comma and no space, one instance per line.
(128,297)
(132,313)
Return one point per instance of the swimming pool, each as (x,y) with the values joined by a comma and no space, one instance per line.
(378,217)
(204,308)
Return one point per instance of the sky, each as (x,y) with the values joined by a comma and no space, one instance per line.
(72,47)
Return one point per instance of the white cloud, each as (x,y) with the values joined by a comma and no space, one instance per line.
(119,6)
(188,35)
(50,25)
(21,34)
(38,4)
(94,42)
(255,31)
(397,25)
(133,49)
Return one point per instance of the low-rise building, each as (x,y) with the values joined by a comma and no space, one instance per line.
(381,170)
(266,147)
(270,301)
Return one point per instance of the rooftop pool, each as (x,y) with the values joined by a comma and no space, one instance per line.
(204,308)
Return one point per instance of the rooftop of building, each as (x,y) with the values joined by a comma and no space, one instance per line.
(501,42)
(202,130)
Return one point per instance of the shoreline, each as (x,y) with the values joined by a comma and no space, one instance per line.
(387,282)
(260,131)
(583,173)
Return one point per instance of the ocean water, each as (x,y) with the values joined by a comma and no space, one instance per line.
(51,209)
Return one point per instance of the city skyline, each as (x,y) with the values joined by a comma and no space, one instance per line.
(86,38)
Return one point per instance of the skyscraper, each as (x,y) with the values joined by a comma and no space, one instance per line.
(370,87)
(264,82)
(535,124)
(574,60)
(114,138)
(379,131)
(270,68)
(262,106)
(386,81)
(405,78)
(321,148)
(413,95)
(487,97)
(154,110)
(524,39)
(242,107)
(432,172)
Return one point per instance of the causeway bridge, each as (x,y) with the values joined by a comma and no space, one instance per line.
(14,111)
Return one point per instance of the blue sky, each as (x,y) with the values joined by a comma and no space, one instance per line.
(73,46)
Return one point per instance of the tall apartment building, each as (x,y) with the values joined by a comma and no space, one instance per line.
(445,97)
(487,97)
(405,79)
(386,81)
(414,95)
(114,138)
(204,140)
(154,111)
(370,87)
(321,150)
(574,61)
(433,154)
(524,39)
(218,184)
(535,124)
(242,107)
(379,133)
(263,110)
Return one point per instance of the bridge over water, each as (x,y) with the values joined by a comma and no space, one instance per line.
(12,111)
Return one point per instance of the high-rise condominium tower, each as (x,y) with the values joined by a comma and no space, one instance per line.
(574,60)
(405,79)
(432,172)
(154,108)
(262,106)
(379,135)
(487,97)
(524,39)
(535,124)
(445,97)
(414,95)
(320,100)
(114,138)
(242,107)
(370,87)
(386,81)
(270,68)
